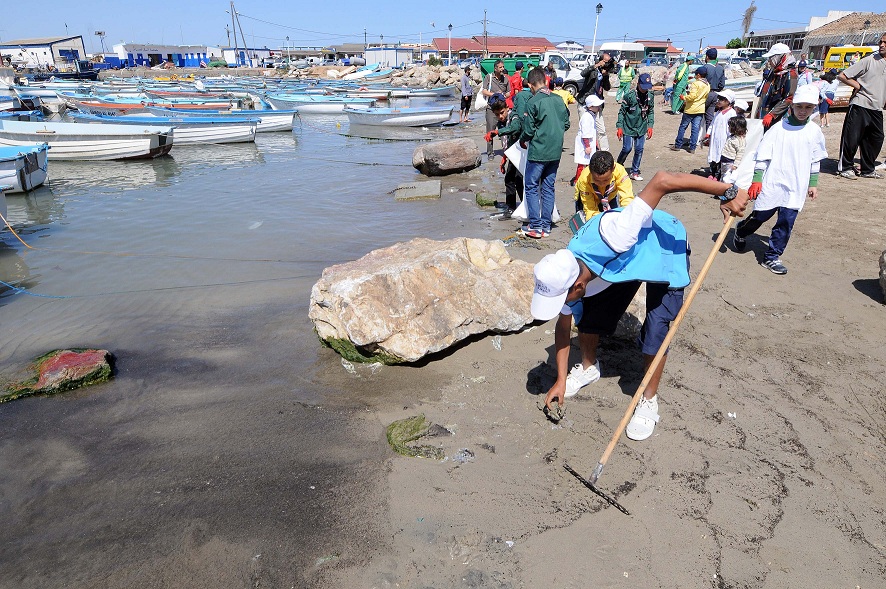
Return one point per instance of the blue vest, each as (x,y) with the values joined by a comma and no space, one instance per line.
(660,254)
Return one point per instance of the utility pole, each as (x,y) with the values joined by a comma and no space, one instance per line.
(228,31)
(234,28)
(700,44)
(365,46)
(485,37)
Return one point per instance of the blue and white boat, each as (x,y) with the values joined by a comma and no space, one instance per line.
(315,103)
(188,130)
(75,141)
(21,115)
(23,168)
(268,120)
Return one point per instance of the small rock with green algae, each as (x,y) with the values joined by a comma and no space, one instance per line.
(350,352)
(402,432)
(482,201)
(62,370)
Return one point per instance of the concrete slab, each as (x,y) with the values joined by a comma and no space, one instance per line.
(418,190)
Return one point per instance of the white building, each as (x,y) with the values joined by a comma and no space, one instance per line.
(149,55)
(58,52)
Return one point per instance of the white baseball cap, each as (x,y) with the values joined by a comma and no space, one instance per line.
(741,104)
(777,49)
(807,94)
(727,94)
(554,276)
(593,100)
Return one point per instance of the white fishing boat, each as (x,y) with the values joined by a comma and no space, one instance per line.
(400,117)
(188,130)
(23,168)
(75,141)
(442,92)
(312,103)
(268,120)
(362,72)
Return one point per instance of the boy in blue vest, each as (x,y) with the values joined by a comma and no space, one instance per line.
(595,279)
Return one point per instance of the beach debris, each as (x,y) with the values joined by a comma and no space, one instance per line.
(509,543)
(496,342)
(400,303)
(883,274)
(731,415)
(256,225)
(403,432)
(555,414)
(418,190)
(349,368)
(62,370)
(463,455)
(439,158)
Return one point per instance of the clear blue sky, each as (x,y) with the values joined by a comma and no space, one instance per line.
(202,22)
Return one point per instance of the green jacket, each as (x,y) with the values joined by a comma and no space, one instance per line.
(633,118)
(546,121)
(521,102)
(513,128)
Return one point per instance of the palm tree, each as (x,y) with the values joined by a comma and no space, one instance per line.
(748,19)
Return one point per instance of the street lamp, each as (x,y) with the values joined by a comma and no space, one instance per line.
(864,31)
(450,44)
(381,40)
(287,50)
(596,22)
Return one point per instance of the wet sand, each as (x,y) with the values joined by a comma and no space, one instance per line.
(195,466)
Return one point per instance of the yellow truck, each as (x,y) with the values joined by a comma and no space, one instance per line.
(838,58)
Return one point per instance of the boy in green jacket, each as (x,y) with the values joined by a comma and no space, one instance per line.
(636,118)
(547,118)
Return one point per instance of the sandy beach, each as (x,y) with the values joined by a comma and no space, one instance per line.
(766,470)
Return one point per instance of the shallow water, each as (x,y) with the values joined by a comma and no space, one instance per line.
(211,444)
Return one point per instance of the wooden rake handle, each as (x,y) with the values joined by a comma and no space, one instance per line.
(661,351)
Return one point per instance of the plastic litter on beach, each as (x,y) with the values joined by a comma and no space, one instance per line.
(732,415)
(496,342)
(462,456)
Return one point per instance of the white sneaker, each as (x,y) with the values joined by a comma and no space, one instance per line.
(645,417)
(579,377)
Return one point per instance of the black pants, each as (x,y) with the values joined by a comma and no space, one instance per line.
(863,128)
(513,185)
(710,110)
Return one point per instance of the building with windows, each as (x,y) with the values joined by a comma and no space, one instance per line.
(43,53)
(480,46)
(149,55)
(793,37)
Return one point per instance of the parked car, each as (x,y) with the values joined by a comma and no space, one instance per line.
(654,61)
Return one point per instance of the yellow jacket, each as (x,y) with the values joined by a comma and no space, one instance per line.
(620,190)
(565,95)
(695,98)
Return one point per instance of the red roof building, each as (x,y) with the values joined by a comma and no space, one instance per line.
(473,47)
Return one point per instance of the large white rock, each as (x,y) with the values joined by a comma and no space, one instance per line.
(403,302)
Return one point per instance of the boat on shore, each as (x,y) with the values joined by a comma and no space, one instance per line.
(23,168)
(76,141)
(188,130)
(400,117)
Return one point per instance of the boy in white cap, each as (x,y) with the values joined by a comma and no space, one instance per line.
(719,130)
(586,138)
(595,279)
(785,174)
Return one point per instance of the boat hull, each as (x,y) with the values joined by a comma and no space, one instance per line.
(403,117)
(77,142)
(23,169)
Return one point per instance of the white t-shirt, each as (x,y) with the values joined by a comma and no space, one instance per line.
(587,129)
(719,134)
(620,231)
(790,151)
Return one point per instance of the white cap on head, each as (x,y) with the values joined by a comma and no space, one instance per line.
(777,49)
(741,104)
(554,276)
(727,94)
(593,100)
(807,94)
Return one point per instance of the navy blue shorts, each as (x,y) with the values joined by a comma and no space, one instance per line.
(601,312)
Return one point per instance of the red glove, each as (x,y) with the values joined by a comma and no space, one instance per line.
(619,133)
(830,102)
(523,144)
(754,190)
(488,137)
(649,133)
(767,121)
(504,162)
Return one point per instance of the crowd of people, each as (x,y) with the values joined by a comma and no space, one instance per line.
(621,240)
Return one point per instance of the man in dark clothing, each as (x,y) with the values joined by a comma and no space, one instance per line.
(717,80)
(596,77)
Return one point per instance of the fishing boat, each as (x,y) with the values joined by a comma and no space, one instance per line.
(442,92)
(21,115)
(23,168)
(75,141)
(313,103)
(188,130)
(400,117)
(268,120)
(107,107)
(362,72)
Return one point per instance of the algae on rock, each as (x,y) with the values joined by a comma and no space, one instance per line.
(402,432)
